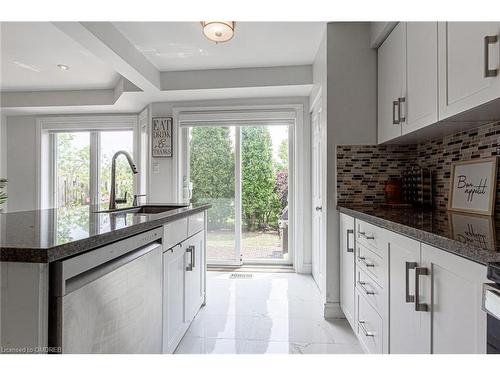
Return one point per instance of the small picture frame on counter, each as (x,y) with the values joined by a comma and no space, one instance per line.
(473,186)
(161,137)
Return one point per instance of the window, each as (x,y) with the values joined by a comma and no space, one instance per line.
(82,166)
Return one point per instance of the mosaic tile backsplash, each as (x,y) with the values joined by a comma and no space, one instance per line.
(363,170)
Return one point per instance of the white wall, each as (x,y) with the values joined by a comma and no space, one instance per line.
(349,102)
(21,162)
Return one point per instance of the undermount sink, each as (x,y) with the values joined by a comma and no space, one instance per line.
(144,209)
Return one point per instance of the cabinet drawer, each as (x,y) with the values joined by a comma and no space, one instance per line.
(372,264)
(174,233)
(372,237)
(373,293)
(196,223)
(369,326)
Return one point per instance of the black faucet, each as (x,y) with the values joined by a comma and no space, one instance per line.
(112,195)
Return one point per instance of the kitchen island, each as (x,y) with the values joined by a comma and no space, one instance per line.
(85,280)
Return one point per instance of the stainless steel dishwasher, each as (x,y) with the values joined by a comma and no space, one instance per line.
(109,300)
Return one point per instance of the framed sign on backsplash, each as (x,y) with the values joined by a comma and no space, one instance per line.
(161,139)
(473,186)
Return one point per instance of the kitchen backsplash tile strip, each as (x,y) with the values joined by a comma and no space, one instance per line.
(439,154)
(363,170)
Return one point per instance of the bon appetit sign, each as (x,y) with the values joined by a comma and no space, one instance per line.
(473,186)
(161,144)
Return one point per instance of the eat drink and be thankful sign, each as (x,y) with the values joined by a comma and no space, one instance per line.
(473,186)
(162,137)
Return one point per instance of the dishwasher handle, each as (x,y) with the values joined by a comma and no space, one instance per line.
(76,282)
(74,273)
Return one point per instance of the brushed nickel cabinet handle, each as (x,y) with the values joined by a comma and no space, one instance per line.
(395,103)
(418,305)
(349,248)
(362,286)
(190,250)
(409,266)
(363,234)
(363,260)
(489,39)
(363,328)
(401,118)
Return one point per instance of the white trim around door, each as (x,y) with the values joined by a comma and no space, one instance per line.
(299,148)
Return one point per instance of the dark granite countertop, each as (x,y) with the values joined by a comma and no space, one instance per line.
(474,237)
(43,236)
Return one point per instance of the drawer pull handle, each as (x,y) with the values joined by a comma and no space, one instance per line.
(362,286)
(363,260)
(363,328)
(419,306)
(363,234)
(409,266)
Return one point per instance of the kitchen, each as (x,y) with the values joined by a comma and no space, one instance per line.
(129,225)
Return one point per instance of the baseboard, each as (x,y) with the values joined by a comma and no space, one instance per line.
(333,311)
(305,269)
(256,268)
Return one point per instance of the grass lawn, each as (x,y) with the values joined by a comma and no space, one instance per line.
(255,245)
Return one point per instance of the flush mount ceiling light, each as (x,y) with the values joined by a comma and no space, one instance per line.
(63,67)
(218,31)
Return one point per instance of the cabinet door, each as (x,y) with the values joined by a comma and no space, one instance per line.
(174,324)
(453,290)
(347,272)
(407,326)
(462,54)
(421,102)
(391,70)
(194,275)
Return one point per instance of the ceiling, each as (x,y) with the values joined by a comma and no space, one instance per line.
(31,51)
(174,46)
(100,53)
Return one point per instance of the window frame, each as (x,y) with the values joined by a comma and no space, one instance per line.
(267,114)
(46,150)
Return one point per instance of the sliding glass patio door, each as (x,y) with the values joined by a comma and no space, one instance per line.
(243,172)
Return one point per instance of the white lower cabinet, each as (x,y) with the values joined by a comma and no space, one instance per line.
(455,322)
(174,323)
(407,326)
(347,267)
(415,298)
(183,285)
(369,326)
(194,275)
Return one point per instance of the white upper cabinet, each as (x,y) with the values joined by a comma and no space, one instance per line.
(421,102)
(469,63)
(430,71)
(391,70)
(407,80)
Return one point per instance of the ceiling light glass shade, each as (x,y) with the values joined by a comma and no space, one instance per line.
(218,31)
